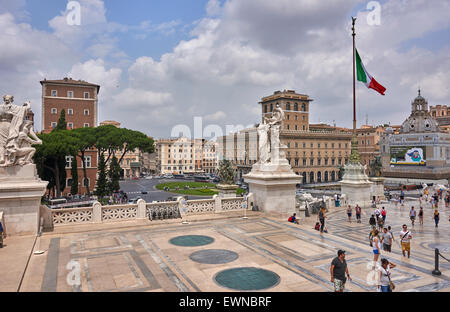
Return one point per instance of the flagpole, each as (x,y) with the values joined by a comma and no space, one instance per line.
(354,157)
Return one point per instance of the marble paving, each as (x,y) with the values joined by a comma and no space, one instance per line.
(142,258)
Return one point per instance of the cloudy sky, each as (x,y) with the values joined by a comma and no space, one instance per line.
(163,62)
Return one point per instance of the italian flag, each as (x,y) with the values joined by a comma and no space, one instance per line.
(366,78)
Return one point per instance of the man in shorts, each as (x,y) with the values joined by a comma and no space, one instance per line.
(338,270)
(405,239)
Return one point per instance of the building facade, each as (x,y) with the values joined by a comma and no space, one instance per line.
(420,152)
(79,99)
(317,152)
(369,144)
(185,156)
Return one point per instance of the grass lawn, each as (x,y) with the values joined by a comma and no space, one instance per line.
(196,188)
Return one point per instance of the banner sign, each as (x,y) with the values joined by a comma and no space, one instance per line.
(408,155)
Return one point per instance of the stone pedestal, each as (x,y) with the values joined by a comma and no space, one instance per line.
(227,190)
(356,186)
(20,198)
(377,187)
(273,186)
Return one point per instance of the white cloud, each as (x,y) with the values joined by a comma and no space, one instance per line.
(219,115)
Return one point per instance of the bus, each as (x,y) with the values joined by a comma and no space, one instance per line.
(201,179)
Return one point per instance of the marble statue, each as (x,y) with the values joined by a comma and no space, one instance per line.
(269,136)
(15,131)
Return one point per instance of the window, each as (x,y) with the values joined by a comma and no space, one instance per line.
(53,125)
(70,94)
(311,162)
(303,118)
(86,125)
(70,125)
(288,106)
(296,107)
(69,182)
(296,127)
(69,160)
(318,145)
(304,161)
(86,112)
(319,160)
(312,145)
(287,117)
(54,93)
(265,108)
(296,145)
(87,161)
(54,111)
(288,127)
(86,95)
(271,107)
(86,182)
(296,117)
(304,145)
(296,162)
(304,107)
(70,111)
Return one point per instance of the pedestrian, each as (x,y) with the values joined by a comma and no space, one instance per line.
(293,219)
(373,221)
(383,214)
(358,213)
(421,215)
(402,198)
(436,217)
(376,247)
(405,239)
(322,218)
(392,234)
(387,240)
(338,271)
(2,234)
(385,282)
(412,215)
(336,202)
(349,213)
(420,199)
(380,223)
(377,213)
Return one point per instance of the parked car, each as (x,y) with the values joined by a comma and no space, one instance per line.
(168,176)
(148,177)
(144,192)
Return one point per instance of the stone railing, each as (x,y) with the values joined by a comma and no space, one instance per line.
(72,216)
(119,212)
(200,206)
(232,204)
(162,210)
(142,210)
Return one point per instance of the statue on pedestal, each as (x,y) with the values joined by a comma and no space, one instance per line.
(269,136)
(15,131)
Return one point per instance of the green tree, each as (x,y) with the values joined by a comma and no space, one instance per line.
(50,158)
(62,124)
(102,188)
(114,175)
(86,140)
(74,174)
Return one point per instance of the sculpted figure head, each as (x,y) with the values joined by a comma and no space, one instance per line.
(8,99)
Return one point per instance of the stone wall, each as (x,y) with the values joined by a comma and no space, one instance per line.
(142,210)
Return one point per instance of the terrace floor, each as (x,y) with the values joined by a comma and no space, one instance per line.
(133,256)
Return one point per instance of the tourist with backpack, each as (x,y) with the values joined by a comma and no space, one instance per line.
(293,219)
